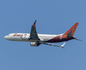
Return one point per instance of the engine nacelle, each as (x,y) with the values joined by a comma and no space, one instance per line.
(34,44)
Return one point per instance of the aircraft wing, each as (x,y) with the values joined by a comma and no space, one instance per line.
(33,33)
(55,45)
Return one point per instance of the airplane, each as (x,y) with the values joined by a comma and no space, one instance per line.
(37,39)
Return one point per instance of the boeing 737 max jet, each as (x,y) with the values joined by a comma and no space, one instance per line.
(37,39)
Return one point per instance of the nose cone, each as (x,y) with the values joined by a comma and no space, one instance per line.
(5,37)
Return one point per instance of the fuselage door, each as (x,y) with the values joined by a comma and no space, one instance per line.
(25,37)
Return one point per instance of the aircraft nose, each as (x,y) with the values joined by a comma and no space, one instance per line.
(5,37)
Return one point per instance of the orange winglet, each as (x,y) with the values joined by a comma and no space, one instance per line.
(34,23)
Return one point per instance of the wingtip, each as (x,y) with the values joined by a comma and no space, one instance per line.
(63,45)
(34,23)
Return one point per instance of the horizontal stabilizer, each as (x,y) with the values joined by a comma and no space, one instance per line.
(78,39)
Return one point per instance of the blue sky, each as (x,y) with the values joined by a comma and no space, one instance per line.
(53,17)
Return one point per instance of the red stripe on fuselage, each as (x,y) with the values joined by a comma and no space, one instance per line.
(59,39)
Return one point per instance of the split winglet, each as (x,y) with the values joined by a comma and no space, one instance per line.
(63,45)
(34,23)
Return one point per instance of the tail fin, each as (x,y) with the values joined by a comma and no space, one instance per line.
(71,31)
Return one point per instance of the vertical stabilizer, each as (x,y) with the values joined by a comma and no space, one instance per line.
(71,31)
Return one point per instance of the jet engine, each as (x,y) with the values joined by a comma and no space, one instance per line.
(35,44)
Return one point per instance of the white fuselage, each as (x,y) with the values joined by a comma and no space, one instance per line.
(26,36)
